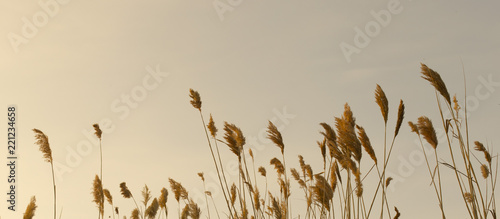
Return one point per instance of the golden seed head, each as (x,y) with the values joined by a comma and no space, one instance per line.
(195,99)
(427,130)
(43,142)
(382,102)
(98,131)
(485,171)
(401,115)
(211,127)
(125,191)
(275,136)
(30,209)
(162,201)
(435,79)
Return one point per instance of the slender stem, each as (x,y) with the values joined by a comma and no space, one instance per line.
(206,199)
(54,184)
(439,182)
(383,171)
(215,163)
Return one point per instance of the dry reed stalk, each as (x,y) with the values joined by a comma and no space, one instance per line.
(98,133)
(196,103)
(202,176)
(30,209)
(43,142)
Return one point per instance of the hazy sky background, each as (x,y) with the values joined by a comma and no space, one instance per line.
(263,59)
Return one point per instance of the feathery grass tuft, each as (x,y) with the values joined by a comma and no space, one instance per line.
(30,209)
(195,99)
(275,136)
(98,131)
(485,171)
(97,192)
(211,127)
(125,191)
(382,102)
(43,141)
(435,79)
(426,129)
(401,115)
(152,209)
(365,141)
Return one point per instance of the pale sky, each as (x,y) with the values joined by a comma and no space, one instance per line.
(69,64)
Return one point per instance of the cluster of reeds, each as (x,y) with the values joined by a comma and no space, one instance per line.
(150,209)
(478,193)
(337,190)
(341,174)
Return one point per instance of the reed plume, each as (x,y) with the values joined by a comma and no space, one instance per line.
(194,211)
(262,171)
(162,201)
(275,136)
(146,195)
(234,139)
(152,209)
(211,127)
(388,181)
(414,128)
(30,209)
(426,129)
(382,102)
(480,147)
(98,195)
(278,166)
(125,191)
(365,142)
(135,214)
(485,171)
(233,194)
(109,198)
(435,79)
(322,192)
(127,194)
(346,138)
(401,115)
(195,99)
(43,142)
